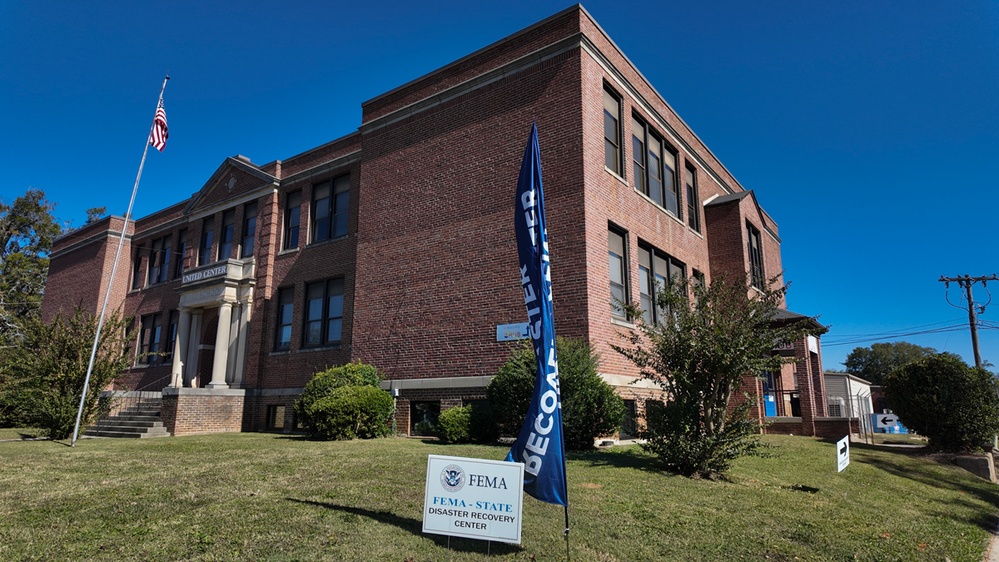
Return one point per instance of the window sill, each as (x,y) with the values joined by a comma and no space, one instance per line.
(623,323)
(664,210)
(327,241)
(279,352)
(287,251)
(331,347)
(616,176)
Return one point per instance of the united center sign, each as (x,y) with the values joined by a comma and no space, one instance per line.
(474,498)
(202,274)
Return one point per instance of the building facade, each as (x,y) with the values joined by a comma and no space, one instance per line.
(395,245)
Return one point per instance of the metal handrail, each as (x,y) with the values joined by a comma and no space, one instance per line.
(130,400)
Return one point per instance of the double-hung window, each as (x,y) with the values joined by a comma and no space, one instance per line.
(756,273)
(178,264)
(249,230)
(228,234)
(323,313)
(612,132)
(292,219)
(285,310)
(149,338)
(693,200)
(330,202)
(171,339)
(137,269)
(654,167)
(159,260)
(656,272)
(617,257)
(207,239)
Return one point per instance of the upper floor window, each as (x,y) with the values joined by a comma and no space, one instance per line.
(228,234)
(612,133)
(207,239)
(179,255)
(285,310)
(249,230)
(159,260)
(656,272)
(618,272)
(292,219)
(330,202)
(137,269)
(323,312)
(655,167)
(756,274)
(693,200)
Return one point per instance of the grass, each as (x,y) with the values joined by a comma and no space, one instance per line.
(272,497)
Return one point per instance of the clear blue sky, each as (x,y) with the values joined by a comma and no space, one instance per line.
(869,130)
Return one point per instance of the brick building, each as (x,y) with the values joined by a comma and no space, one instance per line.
(394,244)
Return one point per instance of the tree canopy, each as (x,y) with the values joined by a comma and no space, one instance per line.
(27,231)
(874,363)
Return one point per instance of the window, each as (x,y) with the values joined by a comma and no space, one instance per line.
(285,308)
(330,201)
(207,238)
(149,338)
(656,272)
(612,133)
(697,281)
(249,230)
(693,200)
(756,274)
(171,339)
(618,273)
(292,219)
(178,264)
(323,313)
(655,167)
(159,260)
(228,235)
(137,269)
(275,417)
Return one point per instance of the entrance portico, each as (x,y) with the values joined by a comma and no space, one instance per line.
(228,287)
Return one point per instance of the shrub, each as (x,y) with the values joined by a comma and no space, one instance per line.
(324,383)
(941,397)
(351,412)
(590,408)
(454,425)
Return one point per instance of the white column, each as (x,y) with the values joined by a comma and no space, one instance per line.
(191,371)
(180,347)
(221,357)
(243,330)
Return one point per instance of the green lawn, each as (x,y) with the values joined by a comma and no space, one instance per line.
(273,497)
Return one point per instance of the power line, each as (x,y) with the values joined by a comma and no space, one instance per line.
(966,282)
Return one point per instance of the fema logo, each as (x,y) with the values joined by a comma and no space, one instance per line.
(452,478)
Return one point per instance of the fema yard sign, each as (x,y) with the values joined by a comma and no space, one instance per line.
(474,498)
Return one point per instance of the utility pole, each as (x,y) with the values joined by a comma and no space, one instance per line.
(966,282)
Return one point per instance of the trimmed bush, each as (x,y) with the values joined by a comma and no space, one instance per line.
(351,412)
(941,397)
(454,425)
(325,382)
(590,407)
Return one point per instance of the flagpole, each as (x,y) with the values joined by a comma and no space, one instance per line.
(114,269)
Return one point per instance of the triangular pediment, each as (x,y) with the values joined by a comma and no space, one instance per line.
(235,179)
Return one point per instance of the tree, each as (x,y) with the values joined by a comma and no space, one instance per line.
(941,397)
(27,231)
(874,363)
(699,355)
(49,365)
(590,408)
(95,214)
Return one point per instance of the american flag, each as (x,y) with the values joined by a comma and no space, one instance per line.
(158,136)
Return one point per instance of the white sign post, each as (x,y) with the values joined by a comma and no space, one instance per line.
(842,453)
(474,498)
